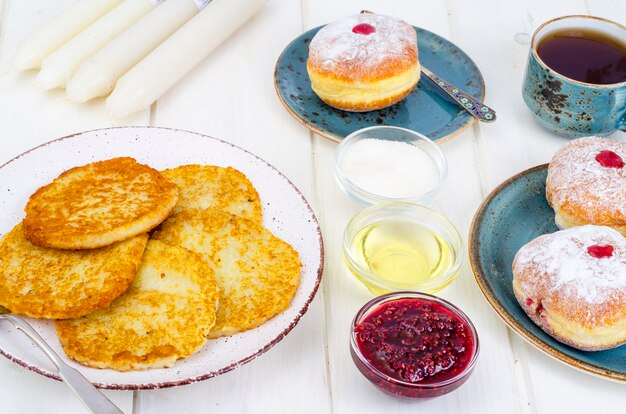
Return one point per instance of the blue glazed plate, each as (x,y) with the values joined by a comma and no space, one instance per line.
(426,109)
(512,215)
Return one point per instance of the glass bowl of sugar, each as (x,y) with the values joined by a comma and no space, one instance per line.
(385,163)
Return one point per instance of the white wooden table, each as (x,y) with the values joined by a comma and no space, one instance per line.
(231,96)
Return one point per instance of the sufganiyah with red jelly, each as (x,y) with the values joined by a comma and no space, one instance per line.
(364,62)
(586,184)
(572,284)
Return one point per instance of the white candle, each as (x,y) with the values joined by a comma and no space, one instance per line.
(97,75)
(52,35)
(187,47)
(59,67)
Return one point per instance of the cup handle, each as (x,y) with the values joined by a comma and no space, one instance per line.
(622,123)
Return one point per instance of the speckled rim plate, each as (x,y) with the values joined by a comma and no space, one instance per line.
(512,215)
(426,109)
(285,212)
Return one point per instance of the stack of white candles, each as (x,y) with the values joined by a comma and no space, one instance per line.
(134,50)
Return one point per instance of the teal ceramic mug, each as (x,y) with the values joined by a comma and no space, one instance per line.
(566,106)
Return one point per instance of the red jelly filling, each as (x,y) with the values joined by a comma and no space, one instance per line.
(363,29)
(415,340)
(600,252)
(609,159)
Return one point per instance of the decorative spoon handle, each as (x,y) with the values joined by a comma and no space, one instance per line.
(93,399)
(472,105)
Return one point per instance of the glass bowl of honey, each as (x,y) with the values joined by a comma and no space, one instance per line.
(402,246)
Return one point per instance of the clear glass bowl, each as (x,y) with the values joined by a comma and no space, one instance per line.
(405,214)
(390,133)
(402,388)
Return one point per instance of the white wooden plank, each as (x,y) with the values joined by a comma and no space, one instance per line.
(500,48)
(23,391)
(30,117)
(4,6)
(350,390)
(289,378)
(517,142)
(231,96)
(461,196)
(585,393)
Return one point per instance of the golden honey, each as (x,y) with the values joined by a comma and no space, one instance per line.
(402,253)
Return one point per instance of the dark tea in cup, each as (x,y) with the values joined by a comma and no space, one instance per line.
(575,81)
(585,55)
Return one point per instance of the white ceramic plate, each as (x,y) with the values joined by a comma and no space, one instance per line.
(285,212)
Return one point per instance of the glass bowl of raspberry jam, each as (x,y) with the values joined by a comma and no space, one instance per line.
(413,345)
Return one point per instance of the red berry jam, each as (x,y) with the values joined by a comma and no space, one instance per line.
(600,252)
(609,159)
(364,29)
(417,341)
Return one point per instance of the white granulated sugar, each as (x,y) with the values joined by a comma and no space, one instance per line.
(389,168)
(570,268)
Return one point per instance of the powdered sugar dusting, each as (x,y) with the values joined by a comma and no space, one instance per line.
(336,45)
(577,179)
(565,265)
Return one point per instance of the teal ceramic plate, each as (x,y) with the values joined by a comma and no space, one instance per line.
(513,214)
(425,109)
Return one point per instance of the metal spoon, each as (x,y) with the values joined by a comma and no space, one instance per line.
(466,101)
(93,399)
(472,105)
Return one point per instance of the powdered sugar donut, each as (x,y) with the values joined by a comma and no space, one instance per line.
(364,62)
(572,284)
(586,183)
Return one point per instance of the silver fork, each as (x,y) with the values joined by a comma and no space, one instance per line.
(94,400)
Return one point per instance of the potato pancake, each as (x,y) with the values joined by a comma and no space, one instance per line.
(258,273)
(98,204)
(209,186)
(58,284)
(165,315)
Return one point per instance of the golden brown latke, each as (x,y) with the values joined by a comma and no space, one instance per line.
(209,186)
(58,284)
(98,204)
(165,315)
(258,273)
